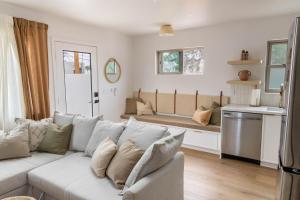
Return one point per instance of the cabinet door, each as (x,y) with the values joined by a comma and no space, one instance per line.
(271,139)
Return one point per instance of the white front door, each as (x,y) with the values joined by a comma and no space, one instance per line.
(75,78)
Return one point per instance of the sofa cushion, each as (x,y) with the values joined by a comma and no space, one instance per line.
(72,178)
(82,131)
(156,156)
(142,135)
(102,130)
(62,119)
(13,173)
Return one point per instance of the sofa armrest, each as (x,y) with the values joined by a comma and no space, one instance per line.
(163,184)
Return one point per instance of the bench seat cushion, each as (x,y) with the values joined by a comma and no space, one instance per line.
(173,121)
(13,172)
(72,178)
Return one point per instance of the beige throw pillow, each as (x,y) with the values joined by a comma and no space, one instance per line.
(144,109)
(102,156)
(202,116)
(121,165)
(15,143)
(37,130)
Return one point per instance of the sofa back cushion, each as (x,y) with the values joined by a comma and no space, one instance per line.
(102,130)
(57,139)
(143,135)
(82,131)
(123,162)
(62,119)
(15,143)
(156,156)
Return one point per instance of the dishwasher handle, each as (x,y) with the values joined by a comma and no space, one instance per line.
(242,116)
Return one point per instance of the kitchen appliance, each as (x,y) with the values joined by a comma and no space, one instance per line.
(241,136)
(289,155)
(244,75)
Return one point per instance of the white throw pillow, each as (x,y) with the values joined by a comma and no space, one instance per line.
(156,156)
(142,134)
(102,156)
(15,143)
(102,130)
(82,131)
(37,130)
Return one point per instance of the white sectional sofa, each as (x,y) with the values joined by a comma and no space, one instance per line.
(69,177)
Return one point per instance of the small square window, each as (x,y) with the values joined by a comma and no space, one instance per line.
(183,61)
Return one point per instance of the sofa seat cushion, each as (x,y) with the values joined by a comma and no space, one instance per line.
(185,122)
(72,178)
(13,172)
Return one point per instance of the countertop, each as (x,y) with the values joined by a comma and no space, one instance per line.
(261,109)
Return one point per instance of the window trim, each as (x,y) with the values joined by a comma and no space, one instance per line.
(269,66)
(159,59)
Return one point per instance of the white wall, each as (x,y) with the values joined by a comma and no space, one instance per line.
(110,44)
(222,42)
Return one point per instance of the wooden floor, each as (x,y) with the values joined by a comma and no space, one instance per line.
(209,178)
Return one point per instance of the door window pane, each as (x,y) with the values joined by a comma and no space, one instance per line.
(278,53)
(78,82)
(193,62)
(77,62)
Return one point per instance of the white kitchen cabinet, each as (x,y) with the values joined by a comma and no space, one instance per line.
(270,140)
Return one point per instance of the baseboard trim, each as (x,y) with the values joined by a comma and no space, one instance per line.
(212,151)
(269,165)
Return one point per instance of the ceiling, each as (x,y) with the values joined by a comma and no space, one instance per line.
(144,16)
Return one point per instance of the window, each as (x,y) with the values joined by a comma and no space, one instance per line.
(181,61)
(276,60)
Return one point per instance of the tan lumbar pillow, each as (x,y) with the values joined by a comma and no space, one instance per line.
(102,156)
(202,116)
(122,164)
(144,109)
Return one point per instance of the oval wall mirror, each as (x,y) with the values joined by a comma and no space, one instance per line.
(112,70)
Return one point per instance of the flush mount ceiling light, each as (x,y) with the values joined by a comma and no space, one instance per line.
(166,30)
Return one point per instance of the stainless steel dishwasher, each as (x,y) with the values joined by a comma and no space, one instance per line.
(241,136)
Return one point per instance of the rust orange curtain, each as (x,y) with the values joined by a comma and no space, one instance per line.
(32,44)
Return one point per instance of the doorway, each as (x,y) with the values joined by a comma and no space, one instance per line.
(75,78)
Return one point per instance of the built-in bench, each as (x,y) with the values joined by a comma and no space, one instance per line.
(176,110)
(173,121)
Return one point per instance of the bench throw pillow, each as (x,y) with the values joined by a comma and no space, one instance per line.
(156,156)
(15,143)
(102,130)
(102,156)
(123,162)
(62,119)
(37,130)
(202,117)
(82,131)
(216,114)
(57,139)
(142,134)
(144,109)
(131,108)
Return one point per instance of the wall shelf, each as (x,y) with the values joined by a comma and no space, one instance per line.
(249,82)
(245,62)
